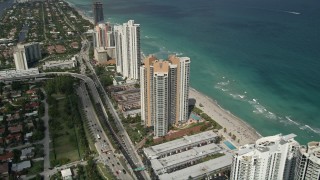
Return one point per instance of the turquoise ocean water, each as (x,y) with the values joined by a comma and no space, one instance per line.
(258,58)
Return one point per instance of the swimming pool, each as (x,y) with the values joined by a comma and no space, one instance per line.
(195,117)
(230,146)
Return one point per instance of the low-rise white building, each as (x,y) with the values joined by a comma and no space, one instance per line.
(179,145)
(171,163)
(12,74)
(205,170)
(66,174)
(181,158)
(62,64)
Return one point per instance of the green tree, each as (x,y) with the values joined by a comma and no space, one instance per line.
(16,155)
(106,80)
(16,85)
(100,70)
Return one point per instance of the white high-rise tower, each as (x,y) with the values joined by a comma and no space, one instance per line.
(308,162)
(270,158)
(127,43)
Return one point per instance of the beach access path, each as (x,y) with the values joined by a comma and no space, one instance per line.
(233,124)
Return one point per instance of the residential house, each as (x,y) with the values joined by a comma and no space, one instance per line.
(27,153)
(66,174)
(15,129)
(4,170)
(18,167)
(31,92)
(6,156)
(28,136)
(2,130)
(13,137)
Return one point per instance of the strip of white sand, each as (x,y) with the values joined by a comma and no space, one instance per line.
(244,132)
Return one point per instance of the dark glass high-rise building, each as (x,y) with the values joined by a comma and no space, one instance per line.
(98,12)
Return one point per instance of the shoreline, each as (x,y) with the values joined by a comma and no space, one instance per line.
(225,118)
(81,12)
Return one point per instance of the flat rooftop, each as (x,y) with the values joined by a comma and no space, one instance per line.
(175,144)
(199,169)
(196,152)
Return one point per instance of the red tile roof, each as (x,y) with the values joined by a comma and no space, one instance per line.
(4,168)
(6,156)
(31,91)
(15,129)
(2,130)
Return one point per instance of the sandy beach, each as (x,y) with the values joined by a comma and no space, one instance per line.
(233,124)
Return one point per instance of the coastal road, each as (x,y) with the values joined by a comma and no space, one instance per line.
(122,132)
(103,144)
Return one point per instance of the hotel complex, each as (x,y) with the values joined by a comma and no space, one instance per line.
(308,162)
(127,49)
(164,92)
(25,54)
(271,157)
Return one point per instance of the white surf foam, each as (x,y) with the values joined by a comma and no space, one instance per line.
(221,85)
(292,121)
(271,115)
(237,96)
(291,12)
(315,130)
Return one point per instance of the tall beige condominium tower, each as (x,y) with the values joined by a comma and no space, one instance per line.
(164,92)
(308,162)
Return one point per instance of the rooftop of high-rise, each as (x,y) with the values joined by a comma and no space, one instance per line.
(269,143)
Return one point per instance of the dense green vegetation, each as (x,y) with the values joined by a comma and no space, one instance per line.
(106,77)
(66,125)
(89,171)
(36,167)
(213,123)
(135,129)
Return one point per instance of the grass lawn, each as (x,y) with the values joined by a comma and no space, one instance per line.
(36,167)
(65,145)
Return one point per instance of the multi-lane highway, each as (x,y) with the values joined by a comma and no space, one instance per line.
(124,137)
(103,145)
